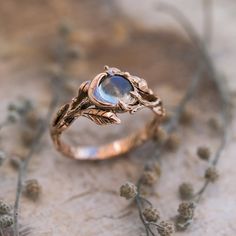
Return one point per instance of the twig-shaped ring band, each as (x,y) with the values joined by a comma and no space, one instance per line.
(100,99)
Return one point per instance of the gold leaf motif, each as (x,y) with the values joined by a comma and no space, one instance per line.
(60,114)
(101,117)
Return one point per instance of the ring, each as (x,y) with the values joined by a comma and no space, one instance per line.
(99,100)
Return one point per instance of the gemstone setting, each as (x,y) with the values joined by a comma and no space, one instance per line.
(114,88)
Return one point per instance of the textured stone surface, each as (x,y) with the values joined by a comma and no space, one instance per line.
(80,198)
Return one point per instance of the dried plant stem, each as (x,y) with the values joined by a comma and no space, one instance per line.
(24,165)
(169,128)
(139,202)
(57,86)
(213,74)
(208,21)
(205,64)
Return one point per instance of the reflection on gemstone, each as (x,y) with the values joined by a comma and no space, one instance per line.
(114,88)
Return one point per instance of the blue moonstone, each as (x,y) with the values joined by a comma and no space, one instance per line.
(114,88)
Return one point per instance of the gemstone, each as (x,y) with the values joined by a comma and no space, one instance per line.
(113,88)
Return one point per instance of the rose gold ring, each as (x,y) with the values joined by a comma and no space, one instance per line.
(100,99)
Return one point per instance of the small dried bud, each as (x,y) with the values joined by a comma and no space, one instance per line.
(172,143)
(128,190)
(186,117)
(214,124)
(13,117)
(5,208)
(186,210)
(21,107)
(204,153)
(149,177)
(2,157)
(32,189)
(151,214)
(211,174)
(155,167)
(5,221)
(160,135)
(166,228)
(186,191)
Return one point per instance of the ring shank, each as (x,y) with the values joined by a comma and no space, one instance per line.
(106,151)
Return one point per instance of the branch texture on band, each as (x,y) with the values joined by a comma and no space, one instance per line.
(100,99)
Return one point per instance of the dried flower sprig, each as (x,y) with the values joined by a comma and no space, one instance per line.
(186,210)
(58,86)
(16,111)
(211,174)
(186,213)
(166,228)
(149,215)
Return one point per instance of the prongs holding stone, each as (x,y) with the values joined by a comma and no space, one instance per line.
(135,95)
(106,67)
(153,104)
(120,90)
(127,74)
(84,87)
(111,70)
(123,106)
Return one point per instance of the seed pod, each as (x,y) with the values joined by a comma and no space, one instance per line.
(204,153)
(211,174)
(128,190)
(186,191)
(5,221)
(186,210)
(5,208)
(166,228)
(149,177)
(151,214)
(32,189)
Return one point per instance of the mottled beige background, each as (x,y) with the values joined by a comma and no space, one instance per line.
(80,198)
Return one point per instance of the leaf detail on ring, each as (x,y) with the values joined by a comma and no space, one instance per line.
(60,114)
(101,117)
